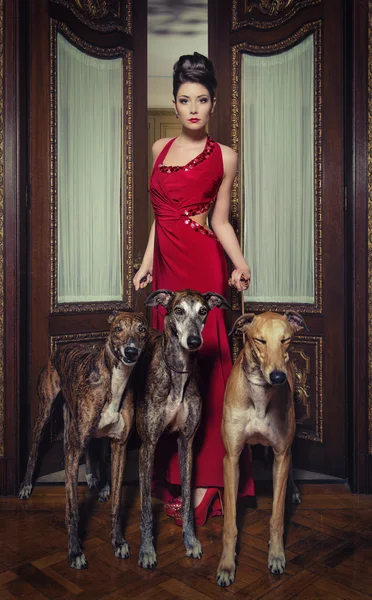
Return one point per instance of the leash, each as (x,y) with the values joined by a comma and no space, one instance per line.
(172,368)
(139,291)
(241,298)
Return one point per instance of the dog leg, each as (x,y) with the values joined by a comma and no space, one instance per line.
(49,386)
(226,568)
(147,555)
(91,466)
(276,560)
(104,472)
(118,456)
(192,545)
(293,490)
(75,553)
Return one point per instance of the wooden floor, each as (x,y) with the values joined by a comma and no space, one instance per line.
(328,550)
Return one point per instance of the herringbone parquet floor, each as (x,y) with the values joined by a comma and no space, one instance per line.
(328,549)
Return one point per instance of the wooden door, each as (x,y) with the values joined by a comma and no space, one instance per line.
(106,31)
(260,28)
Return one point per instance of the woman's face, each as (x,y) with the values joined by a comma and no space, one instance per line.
(193,105)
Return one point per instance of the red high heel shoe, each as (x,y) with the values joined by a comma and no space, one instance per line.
(173,506)
(210,506)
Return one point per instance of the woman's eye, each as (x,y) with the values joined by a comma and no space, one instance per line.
(203,100)
(118,329)
(183,101)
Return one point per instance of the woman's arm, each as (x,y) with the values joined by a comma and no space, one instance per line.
(223,228)
(147,262)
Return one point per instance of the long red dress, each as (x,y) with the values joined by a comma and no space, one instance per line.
(187,255)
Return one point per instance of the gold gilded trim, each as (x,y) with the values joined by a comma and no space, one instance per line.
(2,442)
(90,13)
(76,338)
(370,227)
(302,386)
(237,206)
(272,8)
(127,174)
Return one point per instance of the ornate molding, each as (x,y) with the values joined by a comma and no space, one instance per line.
(103,15)
(2,441)
(76,338)
(303,388)
(267,8)
(237,207)
(370,227)
(126,216)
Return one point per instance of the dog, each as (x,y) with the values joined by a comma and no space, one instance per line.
(97,403)
(259,409)
(169,401)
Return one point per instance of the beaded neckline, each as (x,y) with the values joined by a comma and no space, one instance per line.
(208,149)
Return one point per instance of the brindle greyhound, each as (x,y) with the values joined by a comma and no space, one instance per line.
(93,382)
(259,409)
(169,400)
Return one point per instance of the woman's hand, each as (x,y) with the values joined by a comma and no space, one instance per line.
(142,273)
(241,278)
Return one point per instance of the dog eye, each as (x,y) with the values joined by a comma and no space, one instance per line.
(179,311)
(142,329)
(286,340)
(260,341)
(203,311)
(118,329)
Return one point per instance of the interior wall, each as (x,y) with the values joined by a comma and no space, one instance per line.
(174,29)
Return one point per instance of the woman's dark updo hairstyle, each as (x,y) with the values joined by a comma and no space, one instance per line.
(194,68)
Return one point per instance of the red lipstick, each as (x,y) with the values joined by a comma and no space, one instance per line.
(194,120)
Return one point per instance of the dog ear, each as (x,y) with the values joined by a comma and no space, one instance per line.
(215,300)
(295,319)
(112,316)
(162,297)
(242,322)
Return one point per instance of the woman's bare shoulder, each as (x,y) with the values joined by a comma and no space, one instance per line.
(158,146)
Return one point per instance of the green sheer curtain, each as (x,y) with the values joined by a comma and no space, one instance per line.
(89,151)
(277,170)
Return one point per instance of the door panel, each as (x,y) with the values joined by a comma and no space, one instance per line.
(257,28)
(94,33)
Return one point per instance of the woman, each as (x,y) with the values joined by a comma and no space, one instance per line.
(192,173)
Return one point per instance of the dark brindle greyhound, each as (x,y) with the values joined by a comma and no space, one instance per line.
(98,403)
(169,400)
(259,409)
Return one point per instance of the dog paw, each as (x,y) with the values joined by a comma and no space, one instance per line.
(25,492)
(122,550)
(104,493)
(225,577)
(147,560)
(78,561)
(276,564)
(194,549)
(92,482)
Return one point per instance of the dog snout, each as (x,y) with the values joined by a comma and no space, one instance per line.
(131,353)
(194,342)
(277,377)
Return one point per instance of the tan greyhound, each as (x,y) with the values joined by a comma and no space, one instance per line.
(259,409)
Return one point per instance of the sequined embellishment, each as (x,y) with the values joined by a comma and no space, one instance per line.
(209,146)
(196,226)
